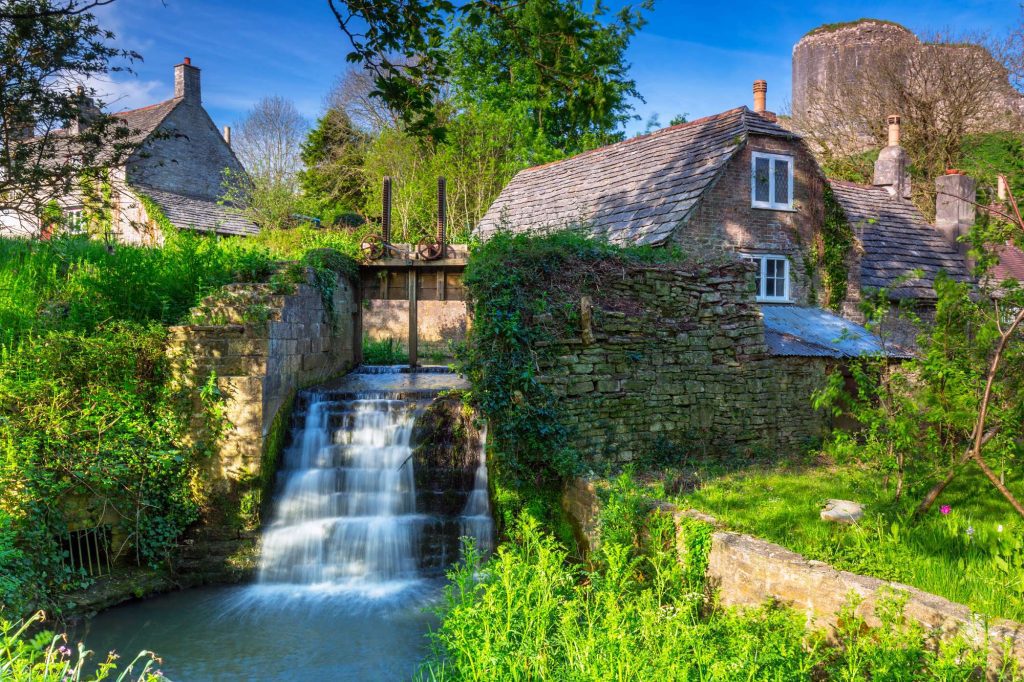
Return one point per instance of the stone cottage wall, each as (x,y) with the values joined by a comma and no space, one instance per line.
(725,220)
(674,358)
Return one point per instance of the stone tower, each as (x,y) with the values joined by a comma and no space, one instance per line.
(834,54)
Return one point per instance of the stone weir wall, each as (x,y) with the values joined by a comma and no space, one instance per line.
(676,358)
(262,347)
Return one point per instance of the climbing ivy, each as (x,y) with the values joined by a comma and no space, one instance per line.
(525,291)
(156,214)
(837,241)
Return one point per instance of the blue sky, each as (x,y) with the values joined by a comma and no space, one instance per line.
(697,58)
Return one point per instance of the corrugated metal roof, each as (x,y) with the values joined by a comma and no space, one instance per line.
(813,332)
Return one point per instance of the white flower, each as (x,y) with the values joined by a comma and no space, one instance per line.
(999,528)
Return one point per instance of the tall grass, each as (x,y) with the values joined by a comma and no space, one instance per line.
(76,283)
(529,615)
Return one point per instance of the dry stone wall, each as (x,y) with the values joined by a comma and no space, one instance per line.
(675,357)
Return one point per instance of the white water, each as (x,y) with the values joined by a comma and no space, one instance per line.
(476,521)
(346,517)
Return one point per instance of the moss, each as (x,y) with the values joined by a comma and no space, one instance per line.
(839,26)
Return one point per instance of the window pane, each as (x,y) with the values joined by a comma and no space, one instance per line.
(761,179)
(781,182)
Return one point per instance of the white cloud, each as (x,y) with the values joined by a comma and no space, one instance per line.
(130,93)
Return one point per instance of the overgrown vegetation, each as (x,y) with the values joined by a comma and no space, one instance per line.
(837,240)
(27,655)
(524,290)
(384,352)
(642,615)
(96,429)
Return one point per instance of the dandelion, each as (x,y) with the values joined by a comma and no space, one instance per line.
(945,509)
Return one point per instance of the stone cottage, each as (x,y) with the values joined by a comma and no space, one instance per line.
(727,353)
(176,166)
(898,250)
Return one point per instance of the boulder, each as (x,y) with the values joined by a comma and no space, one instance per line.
(842,511)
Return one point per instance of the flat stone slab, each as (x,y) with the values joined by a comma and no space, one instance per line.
(429,379)
(842,511)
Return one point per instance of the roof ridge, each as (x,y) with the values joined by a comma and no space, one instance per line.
(645,136)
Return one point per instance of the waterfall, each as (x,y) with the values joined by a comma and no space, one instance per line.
(476,521)
(346,515)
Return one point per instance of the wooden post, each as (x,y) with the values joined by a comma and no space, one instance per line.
(440,285)
(413,334)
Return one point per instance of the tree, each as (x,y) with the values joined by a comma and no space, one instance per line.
(561,68)
(52,133)
(267,142)
(333,155)
(571,61)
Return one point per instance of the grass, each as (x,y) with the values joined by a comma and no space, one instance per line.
(384,352)
(983,568)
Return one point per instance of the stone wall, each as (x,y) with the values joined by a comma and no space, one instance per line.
(745,571)
(725,220)
(671,357)
(261,347)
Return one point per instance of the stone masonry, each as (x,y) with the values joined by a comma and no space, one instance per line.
(261,347)
(677,357)
(745,571)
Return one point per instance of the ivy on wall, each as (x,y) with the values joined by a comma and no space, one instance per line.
(837,241)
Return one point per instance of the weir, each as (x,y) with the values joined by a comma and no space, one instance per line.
(346,516)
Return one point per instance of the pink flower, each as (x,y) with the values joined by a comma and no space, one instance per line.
(945,509)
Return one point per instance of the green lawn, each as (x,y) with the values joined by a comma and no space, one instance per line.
(973,555)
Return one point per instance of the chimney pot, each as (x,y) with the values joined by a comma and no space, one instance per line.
(894,130)
(1001,188)
(186,82)
(227,135)
(760,96)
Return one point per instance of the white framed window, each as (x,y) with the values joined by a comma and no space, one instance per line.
(772,277)
(771,181)
(75,220)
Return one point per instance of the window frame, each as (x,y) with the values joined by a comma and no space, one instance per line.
(771,203)
(75,221)
(762,277)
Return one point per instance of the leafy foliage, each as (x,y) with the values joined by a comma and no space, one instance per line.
(523,290)
(837,242)
(528,614)
(45,657)
(47,49)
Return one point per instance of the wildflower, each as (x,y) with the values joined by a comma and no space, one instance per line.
(945,509)
(64,651)
(999,528)
(970,532)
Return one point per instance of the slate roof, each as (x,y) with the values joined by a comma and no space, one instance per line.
(145,120)
(896,240)
(632,192)
(812,332)
(199,214)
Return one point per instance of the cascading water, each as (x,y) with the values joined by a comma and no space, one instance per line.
(346,516)
(362,532)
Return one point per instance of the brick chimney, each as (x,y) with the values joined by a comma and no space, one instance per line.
(186,82)
(954,207)
(892,169)
(760,100)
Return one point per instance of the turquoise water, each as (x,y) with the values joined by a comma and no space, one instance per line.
(246,633)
